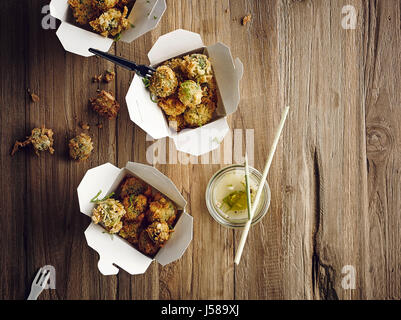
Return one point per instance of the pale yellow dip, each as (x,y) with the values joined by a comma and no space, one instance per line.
(229,195)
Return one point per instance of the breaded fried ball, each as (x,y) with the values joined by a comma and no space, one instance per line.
(133,186)
(190,93)
(177,123)
(80,147)
(209,88)
(134,205)
(163,82)
(146,245)
(201,114)
(172,106)
(104,5)
(41,140)
(162,210)
(159,232)
(105,105)
(111,23)
(131,230)
(178,66)
(109,213)
(197,65)
(83,11)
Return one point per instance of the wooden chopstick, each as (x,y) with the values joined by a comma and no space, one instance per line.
(260,188)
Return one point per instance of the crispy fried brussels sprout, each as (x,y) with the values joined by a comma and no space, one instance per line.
(146,245)
(177,123)
(105,105)
(190,93)
(164,82)
(135,206)
(162,210)
(178,66)
(41,140)
(111,23)
(209,89)
(80,147)
(201,114)
(159,232)
(134,186)
(109,213)
(104,5)
(172,106)
(83,11)
(197,65)
(130,231)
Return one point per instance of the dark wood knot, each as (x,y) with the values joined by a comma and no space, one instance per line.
(379,141)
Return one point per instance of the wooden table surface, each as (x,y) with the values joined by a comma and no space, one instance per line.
(335,179)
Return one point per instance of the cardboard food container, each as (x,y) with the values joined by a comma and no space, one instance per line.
(228,73)
(113,250)
(145,15)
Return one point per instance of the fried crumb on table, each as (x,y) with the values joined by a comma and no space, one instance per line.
(41,140)
(246,19)
(105,104)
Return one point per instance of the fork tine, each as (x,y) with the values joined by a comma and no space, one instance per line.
(45,280)
(42,277)
(37,275)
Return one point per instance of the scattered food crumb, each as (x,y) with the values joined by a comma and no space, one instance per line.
(84,125)
(34,97)
(97,78)
(107,77)
(100,125)
(246,19)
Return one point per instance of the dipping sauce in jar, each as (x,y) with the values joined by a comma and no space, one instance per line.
(226,196)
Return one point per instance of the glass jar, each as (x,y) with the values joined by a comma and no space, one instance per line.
(214,205)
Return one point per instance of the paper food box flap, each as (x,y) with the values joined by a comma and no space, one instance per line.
(158,181)
(178,242)
(78,40)
(202,140)
(96,179)
(59,9)
(113,250)
(145,16)
(228,74)
(143,112)
(173,44)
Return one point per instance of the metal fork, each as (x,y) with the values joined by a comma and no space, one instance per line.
(39,283)
(140,69)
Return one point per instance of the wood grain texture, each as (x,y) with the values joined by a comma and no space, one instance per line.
(335,178)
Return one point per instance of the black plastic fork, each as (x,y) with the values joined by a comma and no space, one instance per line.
(140,69)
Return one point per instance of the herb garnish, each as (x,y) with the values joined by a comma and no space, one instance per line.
(96,200)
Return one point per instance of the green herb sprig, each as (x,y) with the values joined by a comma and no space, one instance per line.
(96,200)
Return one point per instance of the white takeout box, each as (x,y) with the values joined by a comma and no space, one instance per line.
(145,16)
(228,73)
(115,251)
